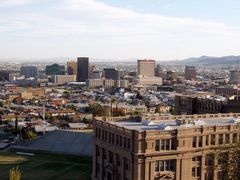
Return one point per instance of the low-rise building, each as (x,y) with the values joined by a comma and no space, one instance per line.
(62,79)
(141,80)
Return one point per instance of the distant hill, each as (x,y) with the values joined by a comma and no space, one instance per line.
(207,60)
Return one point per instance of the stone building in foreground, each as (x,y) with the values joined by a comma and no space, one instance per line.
(162,147)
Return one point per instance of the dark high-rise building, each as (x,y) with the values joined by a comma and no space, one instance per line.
(55,69)
(5,76)
(190,73)
(111,73)
(28,71)
(82,69)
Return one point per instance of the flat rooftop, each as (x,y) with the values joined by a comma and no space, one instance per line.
(166,125)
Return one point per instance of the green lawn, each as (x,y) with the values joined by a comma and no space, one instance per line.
(45,166)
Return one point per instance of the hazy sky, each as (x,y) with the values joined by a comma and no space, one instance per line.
(119,29)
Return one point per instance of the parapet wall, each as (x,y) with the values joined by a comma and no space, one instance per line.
(158,117)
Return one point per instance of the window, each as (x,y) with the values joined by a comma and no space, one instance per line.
(157,145)
(103,134)
(198,171)
(109,137)
(110,157)
(156,166)
(161,165)
(193,172)
(220,139)
(128,144)
(104,171)
(197,158)
(97,167)
(194,142)
(113,138)
(213,139)
(209,160)
(119,177)
(234,137)
(99,135)
(104,153)
(165,144)
(227,138)
(121,141)
(96,132)
(207,140)
(165,165)
(174,144)
(118,160)
(126,163)
(117,140)
(97,151)
(200,141)
(106,136)
(125,142)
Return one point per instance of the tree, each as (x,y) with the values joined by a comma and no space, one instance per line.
(98,110)
(139,96)
(16,124)
(1,103)
(66,94)
(29,135)
(15,173)
(229,162)
(95,109)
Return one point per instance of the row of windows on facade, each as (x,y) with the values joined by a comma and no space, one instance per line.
(165,144)
(112,138)
(110,158)
(209,107)
(209,161)
(211,139)
(170,165)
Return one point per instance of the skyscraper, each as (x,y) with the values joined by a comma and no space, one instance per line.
(190,73)
(72,68)
(28,71)
(82,69)
(146,68)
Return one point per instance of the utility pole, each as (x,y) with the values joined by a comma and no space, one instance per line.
(44,120)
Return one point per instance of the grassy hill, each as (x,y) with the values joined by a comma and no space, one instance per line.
(45,166)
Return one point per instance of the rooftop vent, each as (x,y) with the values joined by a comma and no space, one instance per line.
(165,127)
(199,122)
(235,120)
(180,122)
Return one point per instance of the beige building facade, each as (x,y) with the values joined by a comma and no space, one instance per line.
(62,79)
(146,68)
(167,147)
(72,68)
